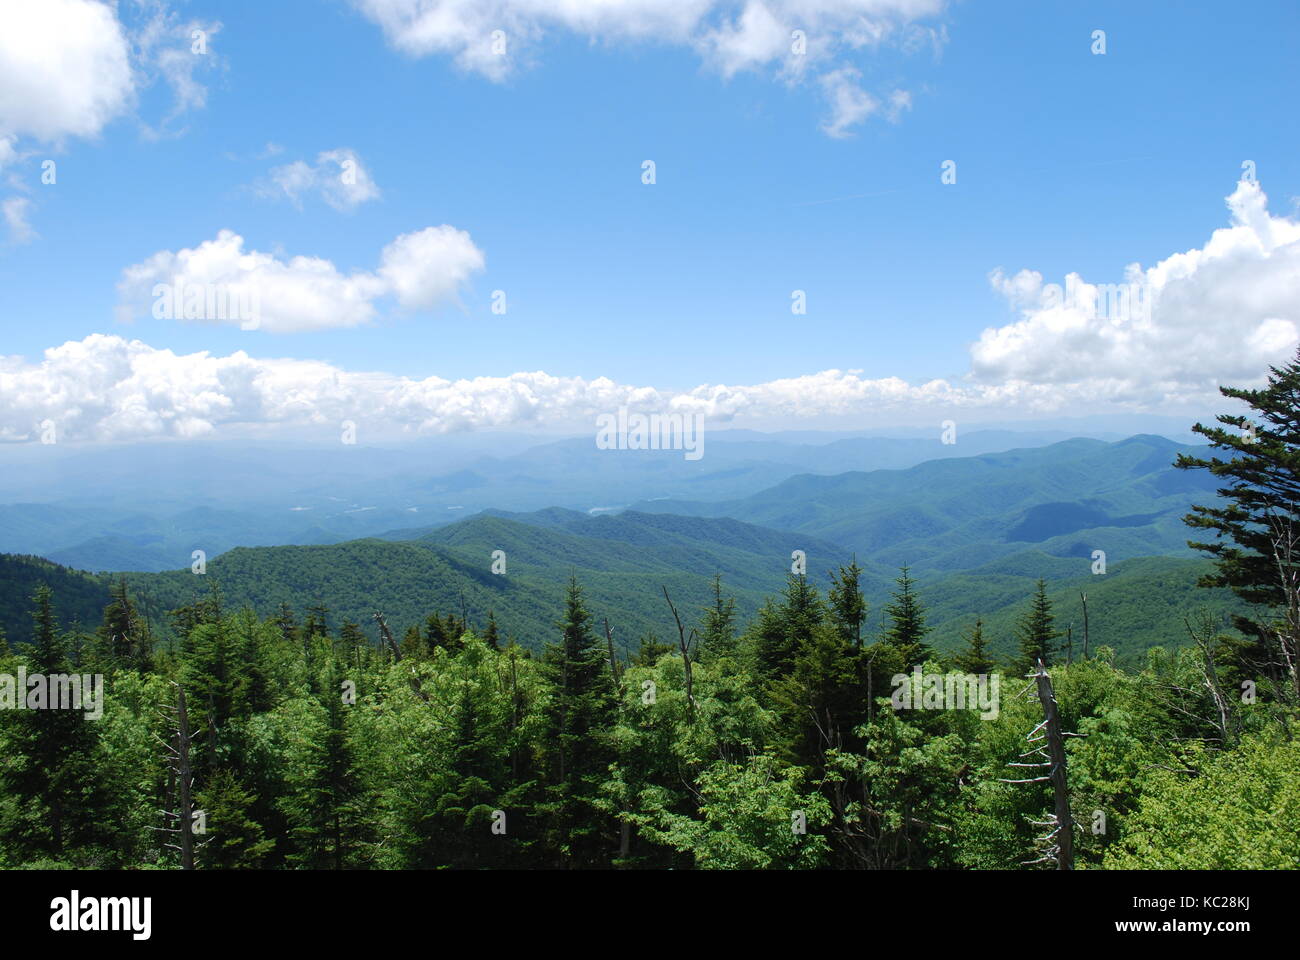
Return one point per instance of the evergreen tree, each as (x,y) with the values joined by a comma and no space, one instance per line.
(49,769)
(233,839)
(123,637)
(413,645)
(718,625)
(821,702)
(491,636)
(577,721)
(1260,496)
(352,644)
(975,658)
(1037,633)
(1262,484)
(783,627)
(650,650)
(321,796)
(907,629)
(848,608)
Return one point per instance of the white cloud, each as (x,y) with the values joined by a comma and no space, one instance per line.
(64,69)
(1220,313)
(339,176)
(68,68)
(305,293)
(849,103)
(15,213)
(175,50)
(729,35)
(109,388)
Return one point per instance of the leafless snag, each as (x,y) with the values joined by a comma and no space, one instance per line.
(397,655)
(180,777)
(1057,845)
(684,646)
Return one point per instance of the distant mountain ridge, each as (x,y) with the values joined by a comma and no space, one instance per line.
(1066,499)
(147,507)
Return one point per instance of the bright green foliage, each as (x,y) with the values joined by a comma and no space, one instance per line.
(233,840)
(314,748)
(753,815)
(1238,812)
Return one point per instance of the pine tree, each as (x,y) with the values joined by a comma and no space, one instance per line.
(1260,492)
(1037,633)
(907,629)
(783,627)
(848,608)
(820,703)
(234,840)
(413,645)
(491,636)
(578,720)
(50,773)
(322,804)
(286,623)
(476,774)
(123,637)
(718,625)
(352,644)
(975,658)
(446,634)
(650,650)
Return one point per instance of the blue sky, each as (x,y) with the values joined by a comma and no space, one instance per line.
(1066,162)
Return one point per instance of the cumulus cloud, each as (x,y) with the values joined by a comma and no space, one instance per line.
(109,388)
(70,67)
(1220,313)
(219,281)
(65,69)
(497,37)
(338,176)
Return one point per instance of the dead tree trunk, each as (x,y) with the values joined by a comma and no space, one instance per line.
(1057,846)
(624,828)
(686,656)
(1084,598)
(180,777)
(1060,789)
(397,655)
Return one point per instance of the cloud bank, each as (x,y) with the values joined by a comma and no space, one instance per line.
(1218,314)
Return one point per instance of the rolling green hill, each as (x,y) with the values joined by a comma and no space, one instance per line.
(622,562)
(945,516)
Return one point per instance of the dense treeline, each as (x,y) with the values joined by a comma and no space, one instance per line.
(313,748)
(783,742)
